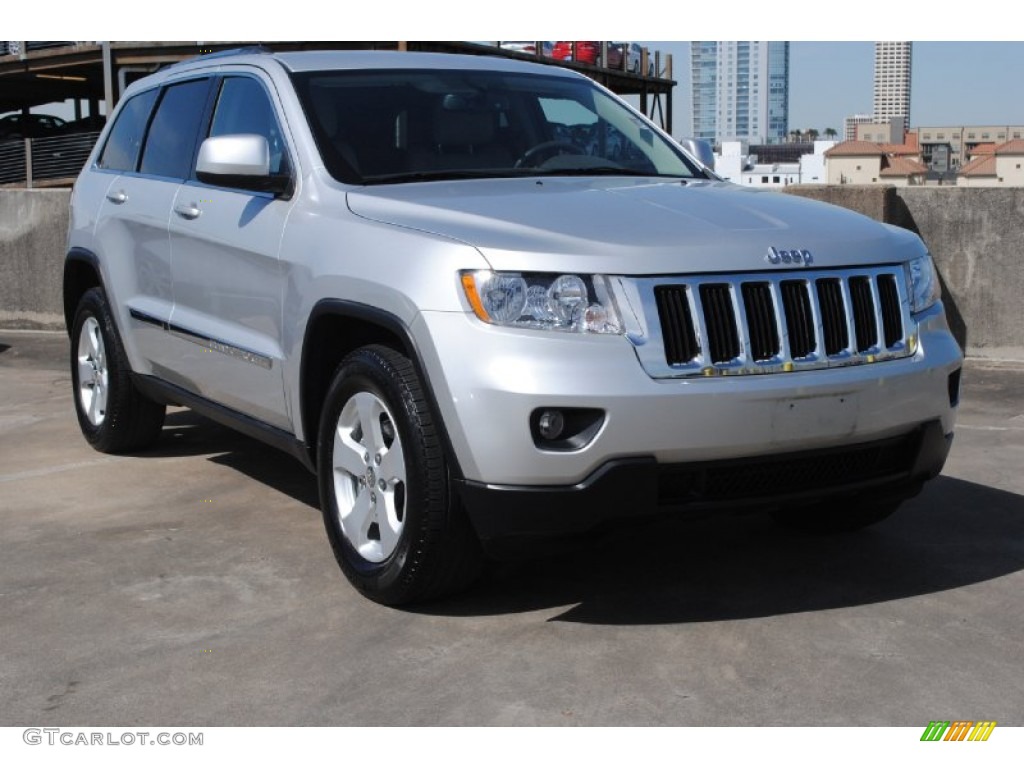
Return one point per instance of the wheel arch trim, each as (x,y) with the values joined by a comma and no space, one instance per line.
(392,324)
(70,288)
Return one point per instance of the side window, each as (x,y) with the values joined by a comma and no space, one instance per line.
(172,136)
(121,152)
(244,107)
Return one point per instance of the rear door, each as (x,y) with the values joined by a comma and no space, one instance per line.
(148,155)
(227,277)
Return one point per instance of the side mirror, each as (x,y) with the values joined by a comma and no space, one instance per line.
(700,149)
(239,160)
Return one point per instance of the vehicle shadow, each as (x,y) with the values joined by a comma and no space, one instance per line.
(673,570)
(956,533)
(187,433)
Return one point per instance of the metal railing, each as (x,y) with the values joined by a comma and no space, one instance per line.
(46,158)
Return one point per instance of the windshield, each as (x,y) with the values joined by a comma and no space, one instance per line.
(389,126)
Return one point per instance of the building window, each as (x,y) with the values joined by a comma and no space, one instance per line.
(984,135)
(764,179)
(940,136)
(970,135)
(858,167)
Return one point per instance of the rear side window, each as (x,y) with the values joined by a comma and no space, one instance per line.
(121,152)
(172,136)
(244,107)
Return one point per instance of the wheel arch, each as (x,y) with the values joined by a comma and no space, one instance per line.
(337,327)
(81,272)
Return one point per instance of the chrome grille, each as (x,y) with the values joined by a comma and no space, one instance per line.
(768,323)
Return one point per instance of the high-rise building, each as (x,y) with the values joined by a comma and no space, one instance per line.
(892,82)
(740,91)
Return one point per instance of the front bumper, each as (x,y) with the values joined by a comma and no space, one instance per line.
(881,470)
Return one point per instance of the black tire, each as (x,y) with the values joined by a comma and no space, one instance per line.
(113,415)
(407,540)
(840,517)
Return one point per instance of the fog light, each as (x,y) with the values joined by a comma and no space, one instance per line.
(565,429)
(551,424)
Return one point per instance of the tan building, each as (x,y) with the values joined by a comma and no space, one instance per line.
(890,132)
(958,141)
(850,126)
(867,162)
(1002,166)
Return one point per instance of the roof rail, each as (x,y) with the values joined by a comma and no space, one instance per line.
(245,49)
(240,51)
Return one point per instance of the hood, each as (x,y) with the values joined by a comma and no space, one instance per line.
(631,226)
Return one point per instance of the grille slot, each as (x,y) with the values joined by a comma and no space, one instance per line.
(677,324)
(760,309)
(864,327)
(892,318)
(799,320)
(720,320)
(833,315)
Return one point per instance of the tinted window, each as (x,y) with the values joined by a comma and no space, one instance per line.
(393,125)
(172,136)
(121,152)
(244,107)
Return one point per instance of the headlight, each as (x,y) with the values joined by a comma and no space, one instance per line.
(924,283)
(573,303)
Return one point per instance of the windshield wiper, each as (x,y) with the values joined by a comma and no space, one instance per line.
(601,170)
(447,175)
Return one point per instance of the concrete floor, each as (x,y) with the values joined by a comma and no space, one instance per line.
(194,585)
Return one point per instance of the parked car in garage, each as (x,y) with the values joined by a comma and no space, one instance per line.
(19,126)
(529,46)
(633,53)
(583,51)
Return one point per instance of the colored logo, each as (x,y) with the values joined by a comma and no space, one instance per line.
(958,730)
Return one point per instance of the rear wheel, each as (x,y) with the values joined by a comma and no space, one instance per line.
(842,517)
(113,415)
(395,529)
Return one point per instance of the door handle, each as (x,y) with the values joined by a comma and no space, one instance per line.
(190,211)
(117,197)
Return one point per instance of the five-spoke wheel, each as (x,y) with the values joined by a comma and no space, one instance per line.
(396,528)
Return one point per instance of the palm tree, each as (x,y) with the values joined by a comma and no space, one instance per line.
(812,134)
(831,133)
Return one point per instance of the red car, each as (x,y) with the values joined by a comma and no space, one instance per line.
(586,51)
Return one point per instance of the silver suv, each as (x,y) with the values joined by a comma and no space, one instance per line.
(486,301)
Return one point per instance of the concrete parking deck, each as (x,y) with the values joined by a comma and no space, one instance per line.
(194,585)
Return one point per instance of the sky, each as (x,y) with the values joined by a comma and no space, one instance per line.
(952,83)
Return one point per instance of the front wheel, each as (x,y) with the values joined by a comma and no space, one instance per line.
(395,529)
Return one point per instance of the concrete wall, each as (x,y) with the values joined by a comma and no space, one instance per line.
(976,236)
(33,237)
